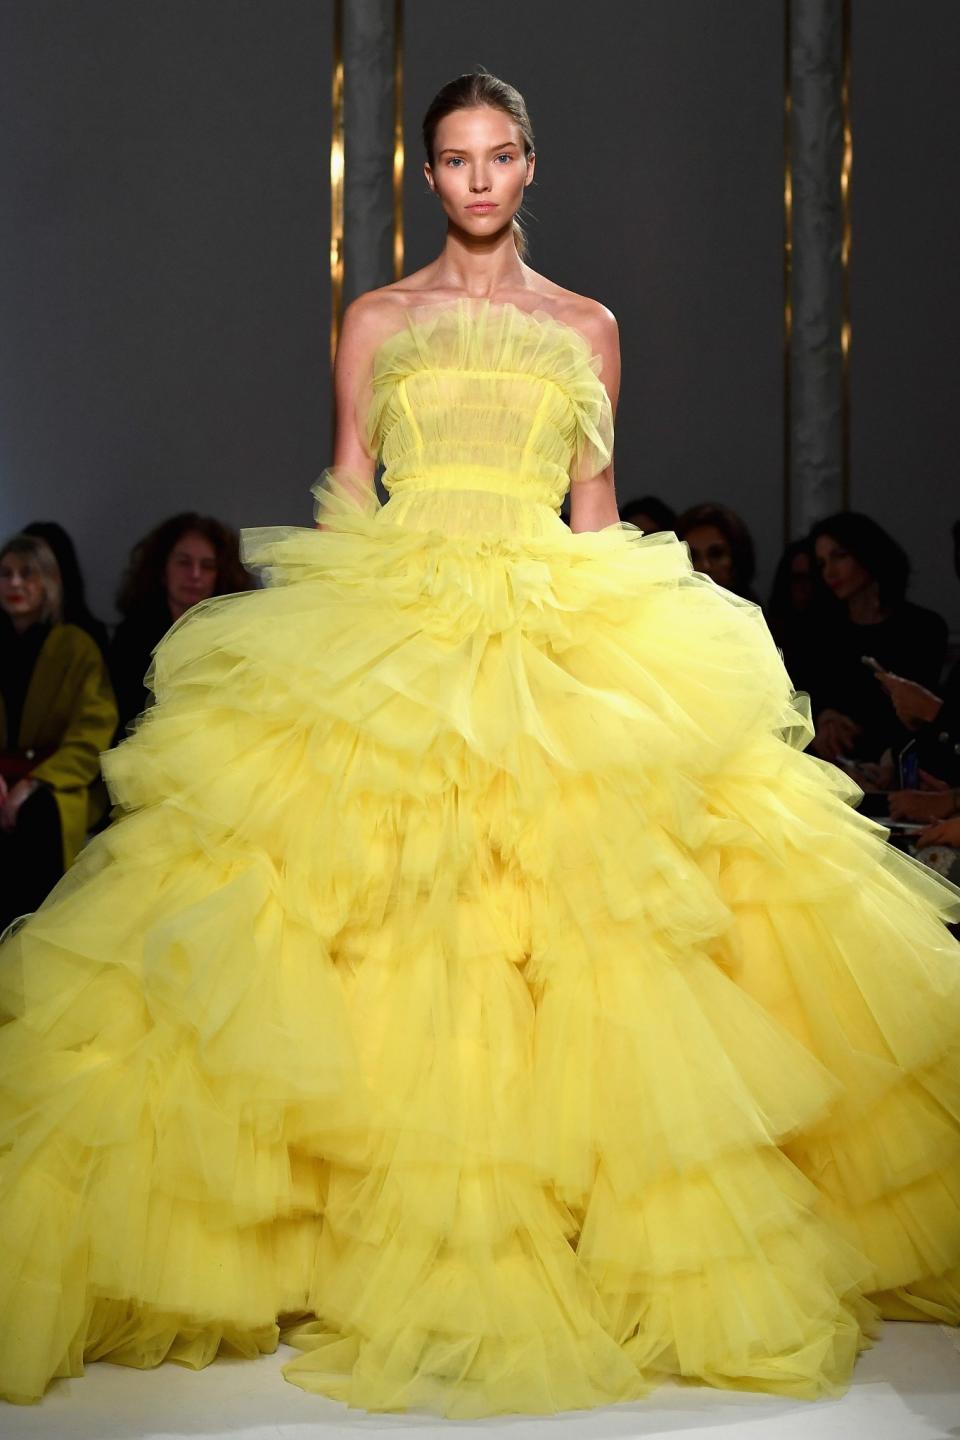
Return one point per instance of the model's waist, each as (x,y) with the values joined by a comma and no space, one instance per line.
(463,509)
(495,480)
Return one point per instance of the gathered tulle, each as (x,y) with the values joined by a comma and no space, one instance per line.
(487,395)
(481,987)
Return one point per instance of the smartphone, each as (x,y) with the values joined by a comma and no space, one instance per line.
(908,765)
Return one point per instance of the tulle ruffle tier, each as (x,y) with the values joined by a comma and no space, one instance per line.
(481,984)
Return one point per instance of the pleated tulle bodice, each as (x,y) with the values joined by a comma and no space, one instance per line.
(481,396)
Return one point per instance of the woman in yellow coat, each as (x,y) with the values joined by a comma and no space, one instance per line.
(57,713)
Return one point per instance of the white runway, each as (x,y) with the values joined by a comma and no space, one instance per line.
(906,1388)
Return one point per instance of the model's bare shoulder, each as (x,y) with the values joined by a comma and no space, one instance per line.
(596,321)
(598,326)
(369,319)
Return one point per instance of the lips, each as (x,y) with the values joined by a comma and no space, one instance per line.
(483,206)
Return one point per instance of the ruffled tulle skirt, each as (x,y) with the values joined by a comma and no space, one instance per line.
(480,984)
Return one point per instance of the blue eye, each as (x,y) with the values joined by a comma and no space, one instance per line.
(504,157)
(455,160)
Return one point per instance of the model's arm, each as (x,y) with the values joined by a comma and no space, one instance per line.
(362,329)
(593,502)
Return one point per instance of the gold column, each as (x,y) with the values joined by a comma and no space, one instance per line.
(846,174)
(398,154)
(787,271)
(336,183)
(337,161)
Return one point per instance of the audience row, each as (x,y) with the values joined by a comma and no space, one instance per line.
(68,691)
(871,661)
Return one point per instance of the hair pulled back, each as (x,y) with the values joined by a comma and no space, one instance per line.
(468,92)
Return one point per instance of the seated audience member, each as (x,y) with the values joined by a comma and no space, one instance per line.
(182,561)
(862,616)
(943,832)
(934,719)
(648,514)
(789,608)
(938,846)
(57,714)
(75,609)
(721,546)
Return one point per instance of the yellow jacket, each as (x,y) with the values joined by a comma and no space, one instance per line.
(69,704)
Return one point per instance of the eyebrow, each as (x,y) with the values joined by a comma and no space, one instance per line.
(507,145)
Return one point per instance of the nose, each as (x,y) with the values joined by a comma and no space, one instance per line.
(478,182)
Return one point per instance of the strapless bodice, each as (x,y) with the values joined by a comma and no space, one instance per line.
(485,396)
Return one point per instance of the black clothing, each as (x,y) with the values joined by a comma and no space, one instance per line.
(134,641)
(911,642)
(31,856)
(95,628)
(939,742)
(18,656)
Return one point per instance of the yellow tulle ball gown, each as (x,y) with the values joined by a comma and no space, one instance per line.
(479,985)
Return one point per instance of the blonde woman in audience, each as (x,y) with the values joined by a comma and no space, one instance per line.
(57,713)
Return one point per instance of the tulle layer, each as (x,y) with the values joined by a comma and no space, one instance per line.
(481,984)
(492,390)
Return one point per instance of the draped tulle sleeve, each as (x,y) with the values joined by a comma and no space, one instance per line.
(594,420)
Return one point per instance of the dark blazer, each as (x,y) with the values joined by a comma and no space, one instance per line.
(131,650)
(939,742)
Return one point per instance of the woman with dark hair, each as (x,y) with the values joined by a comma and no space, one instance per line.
(184,560)
(721,546)
(649,513)
(479,964)
(56,715)
(790,607)
(75,608)
(862,616)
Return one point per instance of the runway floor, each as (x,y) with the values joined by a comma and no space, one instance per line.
(906,1388)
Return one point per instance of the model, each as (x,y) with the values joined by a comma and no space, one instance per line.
(480,982)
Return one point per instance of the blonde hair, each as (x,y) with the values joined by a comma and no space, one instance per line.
(468,92)
(31,547)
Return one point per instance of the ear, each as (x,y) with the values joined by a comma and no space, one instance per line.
(428,175)
(531,166)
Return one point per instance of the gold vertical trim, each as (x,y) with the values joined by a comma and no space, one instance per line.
(846,243)
(787,270)
(398,156)
(336,183)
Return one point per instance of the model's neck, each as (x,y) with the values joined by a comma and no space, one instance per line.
(482,268)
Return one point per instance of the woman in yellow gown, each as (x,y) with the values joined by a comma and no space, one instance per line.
(478,980)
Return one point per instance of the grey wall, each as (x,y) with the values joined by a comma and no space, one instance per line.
(164,291)
(659,191)
(906,298)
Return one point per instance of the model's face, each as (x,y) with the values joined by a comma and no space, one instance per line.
(710,553)
(191,571)
(22,594)
(479,171)
(842,572)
